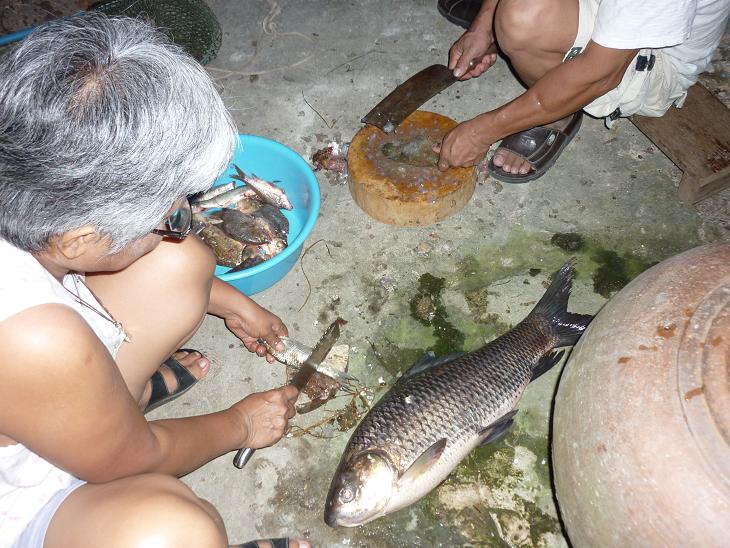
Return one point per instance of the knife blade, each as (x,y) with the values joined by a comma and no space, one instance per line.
(408,96)
(411,94)
(301,377)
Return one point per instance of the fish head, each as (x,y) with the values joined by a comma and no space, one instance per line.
(360,490)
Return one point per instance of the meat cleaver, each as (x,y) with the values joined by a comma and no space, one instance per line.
(408,96)
(411,94)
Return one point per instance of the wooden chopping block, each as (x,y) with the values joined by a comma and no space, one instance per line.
(394,178)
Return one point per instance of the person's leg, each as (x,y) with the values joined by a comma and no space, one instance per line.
(131,512)
(146,510)
(161,300)
(535,35)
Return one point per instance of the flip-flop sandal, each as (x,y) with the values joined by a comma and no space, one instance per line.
(160,393)
(459,12)
(275,543)
(541,146)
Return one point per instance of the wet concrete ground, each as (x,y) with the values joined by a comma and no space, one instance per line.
(613,188)
(303,73)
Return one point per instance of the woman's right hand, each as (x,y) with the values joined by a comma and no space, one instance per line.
(474,45)
(265,415)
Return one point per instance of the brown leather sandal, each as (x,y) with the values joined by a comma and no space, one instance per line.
(541,146)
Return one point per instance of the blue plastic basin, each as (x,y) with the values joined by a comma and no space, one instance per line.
(273,161)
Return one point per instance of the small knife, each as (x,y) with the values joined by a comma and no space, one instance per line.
(301,377)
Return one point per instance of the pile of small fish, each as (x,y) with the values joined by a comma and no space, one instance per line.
(243,225)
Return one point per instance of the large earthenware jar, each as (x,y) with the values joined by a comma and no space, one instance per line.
(641,437)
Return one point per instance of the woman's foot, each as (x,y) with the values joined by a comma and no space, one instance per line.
(176,378)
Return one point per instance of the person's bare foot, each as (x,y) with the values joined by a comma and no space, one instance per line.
(197,364)
(515,164)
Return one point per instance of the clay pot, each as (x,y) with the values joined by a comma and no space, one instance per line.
(641,435)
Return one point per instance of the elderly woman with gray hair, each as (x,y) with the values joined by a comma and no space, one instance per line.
(105,128)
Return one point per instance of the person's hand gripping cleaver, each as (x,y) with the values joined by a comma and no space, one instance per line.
(301,377)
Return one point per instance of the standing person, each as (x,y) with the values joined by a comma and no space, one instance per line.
(609,58)
(105,128)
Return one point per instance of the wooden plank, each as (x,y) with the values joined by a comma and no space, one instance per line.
(696,138)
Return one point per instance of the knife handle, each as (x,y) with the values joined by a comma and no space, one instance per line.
(242,457)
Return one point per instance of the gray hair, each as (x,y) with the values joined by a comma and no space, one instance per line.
(103,122)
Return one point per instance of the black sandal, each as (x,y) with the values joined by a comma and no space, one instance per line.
(460,12)
(541,146)
(160,393)
(275,543)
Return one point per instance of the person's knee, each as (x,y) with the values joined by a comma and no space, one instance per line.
(190,260)
(517,24)
(146,510)
(165,509)
(182,272)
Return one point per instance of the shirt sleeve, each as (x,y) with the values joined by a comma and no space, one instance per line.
(638,24)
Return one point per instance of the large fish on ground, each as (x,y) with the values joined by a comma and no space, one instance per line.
(441,409)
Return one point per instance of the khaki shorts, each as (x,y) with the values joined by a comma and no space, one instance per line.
(649,87)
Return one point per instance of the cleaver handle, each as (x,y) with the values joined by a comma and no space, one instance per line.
(242,457)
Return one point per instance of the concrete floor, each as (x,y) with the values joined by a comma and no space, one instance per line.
(612,187)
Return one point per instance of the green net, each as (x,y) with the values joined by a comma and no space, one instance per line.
(189,23)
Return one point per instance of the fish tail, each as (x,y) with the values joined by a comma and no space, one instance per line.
(554,307)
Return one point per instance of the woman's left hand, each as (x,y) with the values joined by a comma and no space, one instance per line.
(257,323)
(247,320)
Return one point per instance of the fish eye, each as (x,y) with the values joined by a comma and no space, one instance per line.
(347,495)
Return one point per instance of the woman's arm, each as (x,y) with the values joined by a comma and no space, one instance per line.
(64,398)
(246,319)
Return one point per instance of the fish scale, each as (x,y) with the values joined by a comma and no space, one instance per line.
(440,410)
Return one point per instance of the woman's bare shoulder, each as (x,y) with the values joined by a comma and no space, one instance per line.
(39,331)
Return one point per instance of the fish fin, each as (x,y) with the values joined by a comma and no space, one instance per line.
(554,307)
(429,360)
(423,462)
(498,428)
(240,175)
(545,363)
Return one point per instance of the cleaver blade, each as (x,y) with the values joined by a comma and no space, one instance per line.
(407,97)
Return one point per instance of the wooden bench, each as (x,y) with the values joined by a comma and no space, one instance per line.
(696,138)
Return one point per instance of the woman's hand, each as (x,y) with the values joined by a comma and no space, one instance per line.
(247,320)
(254,324)
(265,415)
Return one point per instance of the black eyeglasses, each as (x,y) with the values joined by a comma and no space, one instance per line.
(178,223)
